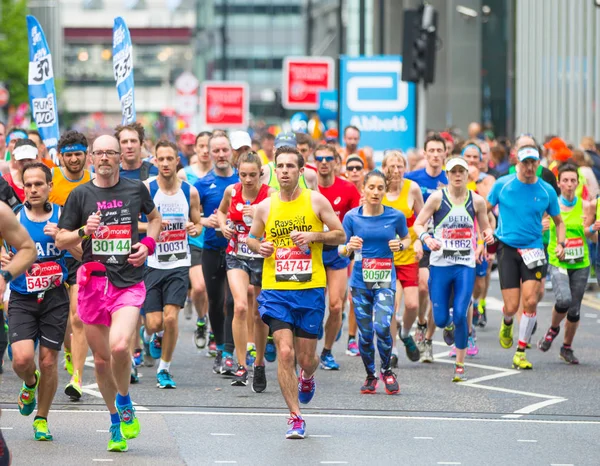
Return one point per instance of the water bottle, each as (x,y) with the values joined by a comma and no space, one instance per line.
(247,218)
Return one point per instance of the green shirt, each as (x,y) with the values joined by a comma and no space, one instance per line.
(576,251)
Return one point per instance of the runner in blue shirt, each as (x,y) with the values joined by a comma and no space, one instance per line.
(373,231)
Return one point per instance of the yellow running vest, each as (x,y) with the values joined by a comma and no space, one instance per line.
(289,268)
(62,186)
(407,256)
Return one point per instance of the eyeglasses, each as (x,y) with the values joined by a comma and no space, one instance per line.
(327,158)
(108,153)
(354,168)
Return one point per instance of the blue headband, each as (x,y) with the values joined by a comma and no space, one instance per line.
(73,148)
(462,154)
(16,135)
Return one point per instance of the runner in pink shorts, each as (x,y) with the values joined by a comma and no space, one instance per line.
(111,287)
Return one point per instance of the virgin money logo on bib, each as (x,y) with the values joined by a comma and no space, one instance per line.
(283,253)
(102,232)
(35,270)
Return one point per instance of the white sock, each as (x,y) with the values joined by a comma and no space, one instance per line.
(526,328)
(405,333)
(147,336)
(163,366)
(161,333)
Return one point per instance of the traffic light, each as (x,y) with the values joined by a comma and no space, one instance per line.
(418,46)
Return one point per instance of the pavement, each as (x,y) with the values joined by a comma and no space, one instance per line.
(547,416)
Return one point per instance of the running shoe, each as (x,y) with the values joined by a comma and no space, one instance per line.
(352,349)
(187,309)
(148,360)
(476,315)
(545,343)
(339,334)
(73,388)
(482,315)
(116,441)
(520,361)
(26,399)
(259,379)
(390,382)
(228,366)
(155,346)
(270,350)
(212,346)
(138,357)
(394,361)
(217,362)
(420,336)
(459,373)
(567,355)
(133,376)
(370,385)
(9,351)
(200,333)
(328,362)
(250,355)
(41,431)
(506,334)
(306,388)
(472,348)
(298,427)
(427,353)
(449,334)
(68,362)
(165,380)
(240,378)
(412,352)
(130,425)
(452,352)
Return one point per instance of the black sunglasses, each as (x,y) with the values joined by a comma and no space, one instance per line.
(354,168)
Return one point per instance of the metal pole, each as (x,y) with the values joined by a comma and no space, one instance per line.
(309,27)
(510,67)
(362,27)
(224,42)
(340,25)
(382,27)
(421,113)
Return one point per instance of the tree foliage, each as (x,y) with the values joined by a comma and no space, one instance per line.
(14,50)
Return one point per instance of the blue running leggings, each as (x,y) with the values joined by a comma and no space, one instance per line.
(374,308)
(459,279)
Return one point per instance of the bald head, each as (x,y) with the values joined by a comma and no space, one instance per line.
(106,156)
(106,142)
(474,130)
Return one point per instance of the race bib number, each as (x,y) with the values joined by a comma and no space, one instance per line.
(293,265)
(242,250)
(533,258)
(111,244)
(574,251)
(377,273)
(172,245)
(43,277)
(457,243)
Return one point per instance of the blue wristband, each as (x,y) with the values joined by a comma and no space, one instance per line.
(591,229)
(251,236)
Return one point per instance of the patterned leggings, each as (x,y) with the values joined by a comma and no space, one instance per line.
(374,310)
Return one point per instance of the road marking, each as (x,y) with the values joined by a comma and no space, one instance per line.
(542,404)
(423,438)
(598,321)
(320,436)
(103,431)
(89,389)
(6,428)
(561,464)
(591,303)
(448,462)
(334,462)
(512,416)
(487,377)
(527,441)
(514,392)
(102,460)
(226,462)
(216,434)
(591,316)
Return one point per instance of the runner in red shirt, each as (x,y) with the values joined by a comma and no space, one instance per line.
(25,151)
(343,197)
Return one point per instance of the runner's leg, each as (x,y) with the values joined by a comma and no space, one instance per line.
(363,308)
(238,283)
(48,363)
(383,311)
(337,286)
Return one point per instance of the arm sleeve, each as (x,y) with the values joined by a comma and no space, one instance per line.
(493,195)
(401,228)
(71,216)
(553,207)
(146,200)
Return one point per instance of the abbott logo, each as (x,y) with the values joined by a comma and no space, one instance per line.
(383,82)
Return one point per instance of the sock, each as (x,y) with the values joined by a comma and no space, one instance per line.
(351,337)
(526,328)
(221,347)
(163,366)
(482,302)
(201,321)
(250,346)
(508,322)
(555,329)
(404,333)
(160,334)
(566,346)
(40,417)
(475,304)
(114,418)
(32,386)
(325,352)
(227,354)
(147,336)
(123,400)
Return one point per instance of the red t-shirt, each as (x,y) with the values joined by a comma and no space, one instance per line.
(236,215)
(18,191)
(342,195)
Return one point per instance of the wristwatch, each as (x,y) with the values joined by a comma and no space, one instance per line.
(563,244)
(81,233)
(6,275)
(401,247)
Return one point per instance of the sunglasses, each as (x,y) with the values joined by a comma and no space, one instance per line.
(354,168)
(328,158)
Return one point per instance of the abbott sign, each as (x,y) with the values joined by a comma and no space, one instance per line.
(375,99)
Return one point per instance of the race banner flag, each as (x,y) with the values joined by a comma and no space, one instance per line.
(123,69)
(42,96)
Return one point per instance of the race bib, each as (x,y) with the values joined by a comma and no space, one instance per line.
(172,245)
(533,258)
(574,251)
(377,273)
(457,243)
(293,265)
(111,244)
(43,277)
(242,250)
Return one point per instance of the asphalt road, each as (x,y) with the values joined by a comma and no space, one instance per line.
(550,415)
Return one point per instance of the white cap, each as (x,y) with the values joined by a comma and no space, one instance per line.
(528,153)
(240,139)
(456,162)
(25,153)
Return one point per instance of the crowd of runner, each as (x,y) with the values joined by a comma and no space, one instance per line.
(273,244)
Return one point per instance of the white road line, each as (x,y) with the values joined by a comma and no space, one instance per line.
(91,386)
(488,377)
(483,366)
(591,316)
(494,304)
(448,462)
(6,428)
(95,393)
(320,436)
(225,462)
(216,434)
(598,321)
(102,460)
(515,392)
(423,438)
(334,462)
(527,441)
(512,416)
(561,464)
(542,404)
(102,431)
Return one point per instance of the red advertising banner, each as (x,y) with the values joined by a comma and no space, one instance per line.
(303,78)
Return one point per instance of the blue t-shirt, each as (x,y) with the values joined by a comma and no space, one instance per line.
(426,182)
(135,174)
(211,189)
(198,241)
(375,232)
(521,207)
(183,160)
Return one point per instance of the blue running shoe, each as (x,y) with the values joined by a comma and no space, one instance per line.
(270,350)
(328,363)
(155,346)
(339,334)
(298,428)
(164,380)
(9,351)
(138,357)
(306,388)
(250,355)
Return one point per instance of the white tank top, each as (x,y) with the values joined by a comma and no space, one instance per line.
(172,248)
(454,228)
